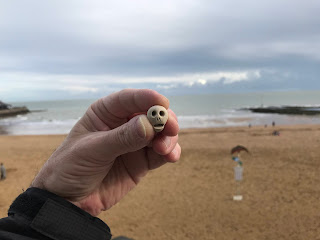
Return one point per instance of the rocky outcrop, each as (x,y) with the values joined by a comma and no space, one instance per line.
(292,110)
(13,111)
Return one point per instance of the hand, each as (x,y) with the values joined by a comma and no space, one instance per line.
(109,150)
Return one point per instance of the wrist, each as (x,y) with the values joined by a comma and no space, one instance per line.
(45,212)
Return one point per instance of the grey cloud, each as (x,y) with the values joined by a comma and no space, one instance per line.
(126,38)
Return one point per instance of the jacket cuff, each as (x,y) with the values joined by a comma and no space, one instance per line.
(57,218)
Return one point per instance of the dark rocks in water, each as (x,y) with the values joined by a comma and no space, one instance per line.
(4,106)
(292,110)
(13,111)
(6,110)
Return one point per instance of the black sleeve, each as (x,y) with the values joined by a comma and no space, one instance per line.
(42,215)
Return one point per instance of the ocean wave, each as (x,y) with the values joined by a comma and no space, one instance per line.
(203,121)
(17,127)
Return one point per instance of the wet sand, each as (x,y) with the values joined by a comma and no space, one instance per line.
(192,199)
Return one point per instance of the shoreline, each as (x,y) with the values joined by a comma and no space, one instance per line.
(3,131)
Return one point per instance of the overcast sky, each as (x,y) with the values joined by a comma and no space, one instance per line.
(71,49)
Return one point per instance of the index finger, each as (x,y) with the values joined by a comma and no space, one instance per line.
(116,108)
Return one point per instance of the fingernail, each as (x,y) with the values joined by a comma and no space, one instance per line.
(174,152)
(167,141)
(167,99)
(141,127)
(145,129)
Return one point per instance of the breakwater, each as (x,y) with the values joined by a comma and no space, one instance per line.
(13,111)
(291,110)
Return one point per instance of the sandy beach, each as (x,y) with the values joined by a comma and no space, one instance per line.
(192,199)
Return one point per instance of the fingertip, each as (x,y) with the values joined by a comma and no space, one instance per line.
(172,114)
(161,144)
(174,155)
(158,99)
(172,127)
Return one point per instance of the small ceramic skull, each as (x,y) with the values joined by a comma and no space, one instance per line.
(158,117)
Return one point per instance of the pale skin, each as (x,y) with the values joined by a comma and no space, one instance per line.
(109,150)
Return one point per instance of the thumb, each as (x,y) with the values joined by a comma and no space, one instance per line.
(129,137)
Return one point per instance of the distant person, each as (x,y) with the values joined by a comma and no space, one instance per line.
(273,123)
(276,133)
(3,172)
(106,154)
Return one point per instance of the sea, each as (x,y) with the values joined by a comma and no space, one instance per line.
(193,111)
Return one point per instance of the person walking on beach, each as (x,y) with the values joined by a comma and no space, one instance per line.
(3,172)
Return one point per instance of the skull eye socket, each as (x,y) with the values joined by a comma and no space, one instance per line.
(162,113)
(154,113)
